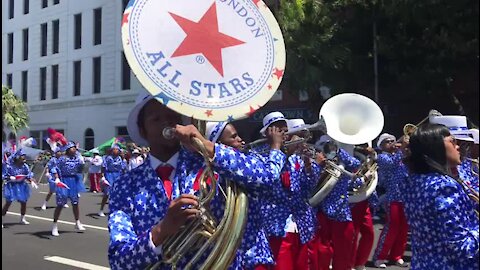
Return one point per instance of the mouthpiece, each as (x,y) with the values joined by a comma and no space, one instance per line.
(169,133)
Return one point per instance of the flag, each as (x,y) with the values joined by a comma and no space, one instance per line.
(20,177)
(102,148)
(62,185)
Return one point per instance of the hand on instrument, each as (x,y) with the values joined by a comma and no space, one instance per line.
(320,158)
(275,137)
(180,210)
(185,135)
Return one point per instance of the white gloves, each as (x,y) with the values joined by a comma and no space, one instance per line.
(35,186)
(47,175)
(57,180)
(12,178)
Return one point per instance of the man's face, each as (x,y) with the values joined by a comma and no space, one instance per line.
(58,154)
(230,137)
(115,152)
(388,145)
(72,151)
(156,117)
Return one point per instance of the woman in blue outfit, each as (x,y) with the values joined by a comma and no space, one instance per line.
(17,174)
(113,166)
(51,169)
(442,219)
(68,185)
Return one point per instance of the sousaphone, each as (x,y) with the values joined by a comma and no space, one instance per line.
(350,119)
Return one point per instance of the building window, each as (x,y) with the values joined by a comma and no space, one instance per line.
(44,3)
(24,85)
(97,74)
(11,9)
(122,132)
(9,80)
(10,48)
(25,44)
(89,139)
(43,83)
(54,81)
(26,6)
(125,73)
(78,31)
(56,2)
(97,26)
(77,75)
(43,41)
(56,35)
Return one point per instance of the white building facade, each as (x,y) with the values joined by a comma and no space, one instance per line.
(65,59)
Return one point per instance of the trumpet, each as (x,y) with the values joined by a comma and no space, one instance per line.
(319,125)
(409,129)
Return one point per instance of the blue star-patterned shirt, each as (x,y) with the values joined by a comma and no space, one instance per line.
(443,224)
(69,166)
(257,175)
(465,173)
(335,206)
(114,164)
(391,172)
(13,170)
(53,165)
(138,202)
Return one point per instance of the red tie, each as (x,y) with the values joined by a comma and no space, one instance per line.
(285,177)
(164,173)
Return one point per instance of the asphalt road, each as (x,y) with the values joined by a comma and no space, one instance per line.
(32,246)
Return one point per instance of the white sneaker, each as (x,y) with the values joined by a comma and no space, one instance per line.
(24,221)
(55,230)
(66,206)
(401,263)
(360,267)
(79,226)
(380,264)
(44,207)
(101,214)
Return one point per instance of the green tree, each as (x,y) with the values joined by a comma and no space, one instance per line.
(14,111)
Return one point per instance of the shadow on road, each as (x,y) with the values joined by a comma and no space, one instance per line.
(46,234)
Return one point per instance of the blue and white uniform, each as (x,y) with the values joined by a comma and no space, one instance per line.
(444,227)
(52,166)
(69,170)
(138,201)
(17,190)
(114,167)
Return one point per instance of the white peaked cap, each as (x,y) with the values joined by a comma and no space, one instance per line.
(295,125)
(457,124)
(384,137)
(474,132)
(214,130)
(270,119)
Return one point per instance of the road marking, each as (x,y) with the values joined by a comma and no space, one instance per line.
(60,221)
(75,263)
(43,192)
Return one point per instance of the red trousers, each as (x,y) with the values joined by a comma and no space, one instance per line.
(393,240)
(289,253)
(95,181)
(335,242)
(362,224)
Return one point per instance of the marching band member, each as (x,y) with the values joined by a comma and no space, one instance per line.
(362,213)
(17,189)
(255,247)
(444,226)
(136,159)
(392,172)
(69,185)
(458,128)
(113,166)
(289,218)
(95,171)
(151,202)
(51,169)
(334,215)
